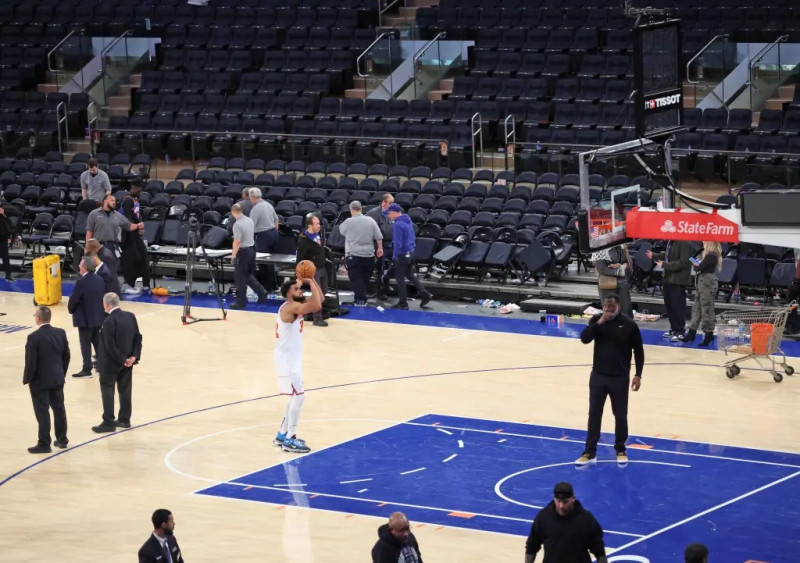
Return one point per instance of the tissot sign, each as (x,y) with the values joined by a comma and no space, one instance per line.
(663,102)
(680,225)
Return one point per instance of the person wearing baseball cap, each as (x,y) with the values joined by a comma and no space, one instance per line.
(403,253)
(567,531)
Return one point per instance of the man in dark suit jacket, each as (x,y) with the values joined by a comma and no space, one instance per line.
(101,269)
(161,547)
(120,349)
(86,306)
(46,363)
(109,260)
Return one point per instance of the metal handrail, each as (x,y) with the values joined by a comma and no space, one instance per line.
(418,54)
(760,55)
(476,118)
(54,49)
(699,53)
(90,120)
(110,46)
(367,50)
(382,10)
(62,119)
(509,134)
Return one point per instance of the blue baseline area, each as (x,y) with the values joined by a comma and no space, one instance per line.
(493,476)
(416,318)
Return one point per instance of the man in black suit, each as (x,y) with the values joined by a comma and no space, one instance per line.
(102,270)
(109,260)
(86,306)
(46,363)
(120,349)
(161,547)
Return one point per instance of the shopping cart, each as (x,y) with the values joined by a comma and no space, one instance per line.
(757,335)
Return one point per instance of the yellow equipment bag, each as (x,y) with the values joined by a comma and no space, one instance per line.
(47,280)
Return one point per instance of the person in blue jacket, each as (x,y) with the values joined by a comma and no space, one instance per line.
(403,253)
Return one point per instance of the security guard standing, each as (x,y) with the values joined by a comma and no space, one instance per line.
(244,259)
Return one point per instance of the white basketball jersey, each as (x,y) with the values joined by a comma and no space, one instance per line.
(290,338)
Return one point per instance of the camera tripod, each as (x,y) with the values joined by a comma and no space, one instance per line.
(191,254)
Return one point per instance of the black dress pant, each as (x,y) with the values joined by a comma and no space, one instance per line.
(321,277)
(600,387)
(359,271)
(244,275)
(43,401)
(404,270)
(4,255)
(123,380)
(675,303)
(265,242)
(88,337)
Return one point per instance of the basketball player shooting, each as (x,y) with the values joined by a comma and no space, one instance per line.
(289,356)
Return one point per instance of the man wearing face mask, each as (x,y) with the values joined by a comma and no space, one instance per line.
(94,182)
(615,337)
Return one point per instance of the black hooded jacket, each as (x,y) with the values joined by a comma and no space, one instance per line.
(389,550)
(566,539)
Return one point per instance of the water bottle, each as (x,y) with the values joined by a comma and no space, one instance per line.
(211,287)
(659,204)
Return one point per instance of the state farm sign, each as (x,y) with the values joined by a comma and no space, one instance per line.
(680,225)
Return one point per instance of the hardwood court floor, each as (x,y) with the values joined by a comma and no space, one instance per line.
(206,393)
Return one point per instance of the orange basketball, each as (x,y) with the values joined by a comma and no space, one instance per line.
(305,269)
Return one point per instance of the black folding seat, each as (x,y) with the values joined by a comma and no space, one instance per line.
(197,37)
(487,88)
(617,66)
(441,112)
(556,65)
(294,84)
(351,109)
(485,63)
(567,90)
(510,89)
(618,41)
(769,122)
(463,87)
(740,120)
(616,91)
(487,39)
(373,110)
(513,39)
(591,66)
(296,38)
(791,122)
(559,40)
(586,41)
(536,40)
(714,120)
(591,90)
(745,148)
(709,163)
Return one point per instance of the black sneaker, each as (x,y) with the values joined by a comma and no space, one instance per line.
(83,373)
(121,424)
(320,322)
(61,443)
(426,298)
(40,449)
(104,428)
(402,306)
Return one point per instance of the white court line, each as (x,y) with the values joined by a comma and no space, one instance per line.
(456,337)
(355,481)
(290,485)
(500,494)
(362,491)
(445,431)
(724,458)
(708,511)
(445,460)
(417,470)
